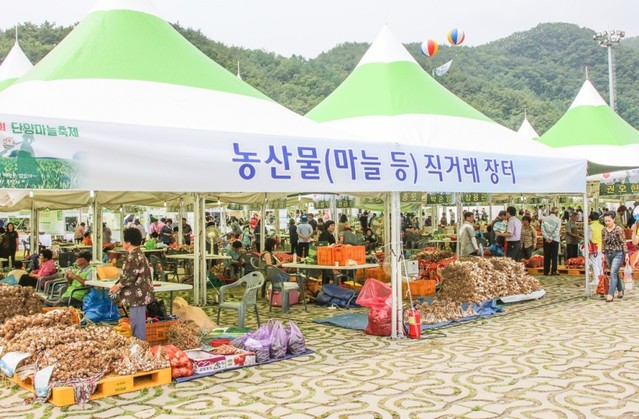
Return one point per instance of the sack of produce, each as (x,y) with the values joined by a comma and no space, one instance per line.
(296,341)
(279,341)
(262,348)
(374,294)
(181,365)
(186,312)
(379,322)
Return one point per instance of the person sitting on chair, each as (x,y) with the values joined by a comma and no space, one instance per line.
(268,257)
(234,265)
(47,268)
(77,279)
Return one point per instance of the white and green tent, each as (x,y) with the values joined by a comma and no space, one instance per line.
(124,104)
(591,130)
(389,97)
(14,66)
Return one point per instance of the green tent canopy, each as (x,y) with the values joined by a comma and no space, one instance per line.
(591,130)
(389,98)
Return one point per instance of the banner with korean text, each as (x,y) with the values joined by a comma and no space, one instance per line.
(41,154)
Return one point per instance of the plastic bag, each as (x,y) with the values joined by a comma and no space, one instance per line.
(627,273)
(627,276)
(374,294)
(279,341)
(379,322)
(98,307)
(296,341)
(261,348)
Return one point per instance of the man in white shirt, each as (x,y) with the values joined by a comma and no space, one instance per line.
(467,238)
(304,233)
(550,229)
(512,234)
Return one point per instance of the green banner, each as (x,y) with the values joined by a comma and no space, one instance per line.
(411,197)
(372,201)
(344,203)
(474,198)
(278,204)
(322,204)
(618,189)
(439,198)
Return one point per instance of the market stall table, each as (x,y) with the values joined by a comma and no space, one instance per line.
(306,267)
(158,286)
(191,257)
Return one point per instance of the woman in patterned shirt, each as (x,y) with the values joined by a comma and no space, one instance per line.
(134,285)
(616,251)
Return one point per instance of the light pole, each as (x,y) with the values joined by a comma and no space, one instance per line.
(608,39)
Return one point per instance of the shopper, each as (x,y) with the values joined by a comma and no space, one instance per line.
(572,237)
(304,233)
(512,233)
(615,250)
(528,237)
(467,238)
(550,229)
(11,240)
(78,233)
(134,286)
(595,246)
(293,238)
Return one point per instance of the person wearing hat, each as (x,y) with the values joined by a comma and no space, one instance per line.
(77,279)
(550,229)
(304,233)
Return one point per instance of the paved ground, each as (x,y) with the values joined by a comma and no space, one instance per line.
(562,356)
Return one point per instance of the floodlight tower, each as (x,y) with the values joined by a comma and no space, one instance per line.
(608,39)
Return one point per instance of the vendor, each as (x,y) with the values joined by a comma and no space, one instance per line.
(47,268)
(77,280)
(234,265)
(134,286)
(268,257)
(327,234)
(348,237)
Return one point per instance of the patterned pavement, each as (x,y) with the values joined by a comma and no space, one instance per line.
(563,356)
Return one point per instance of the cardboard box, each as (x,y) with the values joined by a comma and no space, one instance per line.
(241,360)
(204,362)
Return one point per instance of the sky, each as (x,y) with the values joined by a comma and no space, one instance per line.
(309,27)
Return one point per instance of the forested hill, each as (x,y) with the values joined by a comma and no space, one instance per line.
(539,70)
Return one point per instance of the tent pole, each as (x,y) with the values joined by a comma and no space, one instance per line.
(34,240)
(201,257)
(586,227)
(387,220)
(263,223)
(335,217)
(197,250)
(179,222)
(97,226)
(396,258)
(458,222)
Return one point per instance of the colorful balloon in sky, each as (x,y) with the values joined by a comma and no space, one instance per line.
(456,36)
(429,48)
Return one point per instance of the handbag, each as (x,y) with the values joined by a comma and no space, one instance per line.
(603,285)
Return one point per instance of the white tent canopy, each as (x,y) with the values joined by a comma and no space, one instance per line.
(526,130)
(14,66)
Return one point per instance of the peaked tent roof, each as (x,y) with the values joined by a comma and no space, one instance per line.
(526,130)
(389,97)
(14,66)
(591,130)
(126,55)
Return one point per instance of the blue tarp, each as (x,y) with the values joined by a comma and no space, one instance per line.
(359,321)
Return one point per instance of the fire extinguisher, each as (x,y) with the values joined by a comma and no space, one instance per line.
(414,324)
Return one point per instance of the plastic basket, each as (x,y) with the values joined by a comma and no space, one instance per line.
(325,256)
(157,333)
(77,315)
